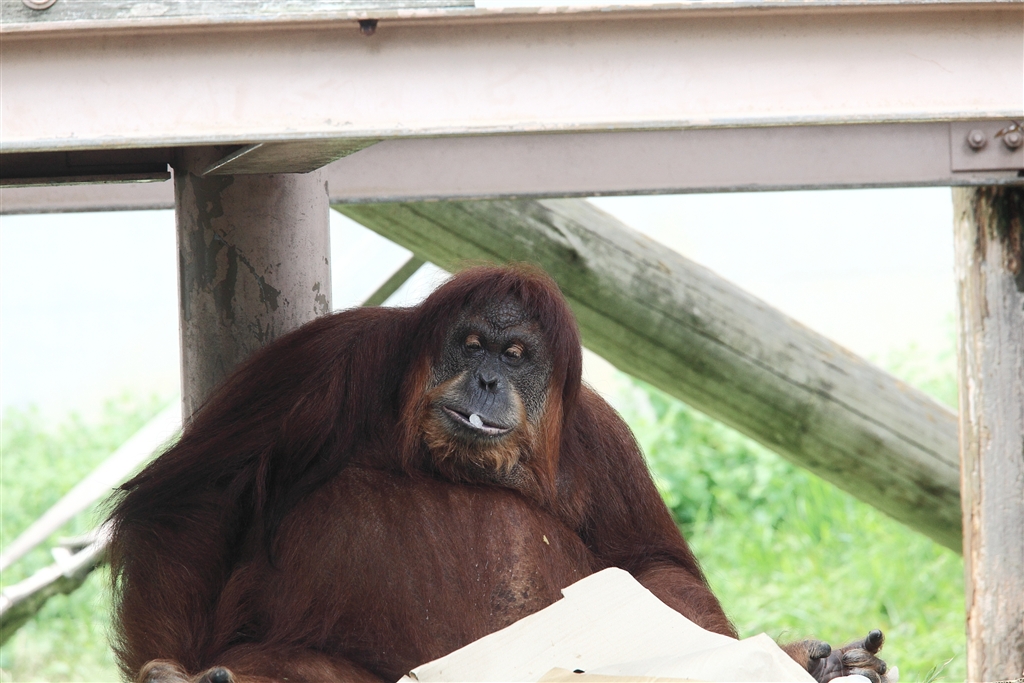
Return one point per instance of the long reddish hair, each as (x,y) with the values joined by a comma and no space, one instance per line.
(274,431)
(347,388)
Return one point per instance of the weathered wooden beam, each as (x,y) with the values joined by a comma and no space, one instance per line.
(399,278)
(253,264)
(677,325)
(21,601)
(989,228)
(286,157)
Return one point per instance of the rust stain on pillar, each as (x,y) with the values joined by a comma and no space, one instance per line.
(253,264)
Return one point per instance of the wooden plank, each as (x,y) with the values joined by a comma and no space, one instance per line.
(107,14)
(286,157)
(21,601)
(399,278)
(989,228)
(677,325)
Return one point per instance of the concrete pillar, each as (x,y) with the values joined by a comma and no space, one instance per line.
(989,228)
(253,264)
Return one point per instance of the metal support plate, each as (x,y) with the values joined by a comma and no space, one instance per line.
(986,145)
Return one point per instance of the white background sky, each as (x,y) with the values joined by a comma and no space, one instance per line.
(88,302)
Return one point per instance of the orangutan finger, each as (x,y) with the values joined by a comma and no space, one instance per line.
(862,659)
(818,649)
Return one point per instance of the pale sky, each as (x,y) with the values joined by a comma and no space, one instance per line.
(88,302)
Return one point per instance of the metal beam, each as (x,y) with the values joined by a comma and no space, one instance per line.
(84,166)
(635,162)
(668,162)
(114,79)
(75,198)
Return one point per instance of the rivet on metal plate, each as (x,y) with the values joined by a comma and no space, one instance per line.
(976,139)
(38,4)
(1012,135)
(1013,139)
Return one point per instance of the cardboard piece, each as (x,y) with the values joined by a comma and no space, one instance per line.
(608,624)
(565,676)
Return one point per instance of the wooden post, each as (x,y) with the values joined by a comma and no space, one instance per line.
(990,281)
(252,264)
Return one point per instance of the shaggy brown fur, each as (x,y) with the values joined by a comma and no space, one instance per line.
(314,523)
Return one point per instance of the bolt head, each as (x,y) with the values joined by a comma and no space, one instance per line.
(976,139)
(38,5)
(1014,139)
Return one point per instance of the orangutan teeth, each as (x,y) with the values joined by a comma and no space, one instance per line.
(475,420)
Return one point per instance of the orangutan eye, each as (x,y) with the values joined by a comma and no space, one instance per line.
(473,343)
(514,353)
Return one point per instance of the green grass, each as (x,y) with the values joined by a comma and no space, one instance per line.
(787,553)
(67,641)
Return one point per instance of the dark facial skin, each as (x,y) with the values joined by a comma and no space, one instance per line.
(496,367)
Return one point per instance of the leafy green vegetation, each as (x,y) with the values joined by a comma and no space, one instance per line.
(787,553)
(67,641)
(790,555)
(793,556)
